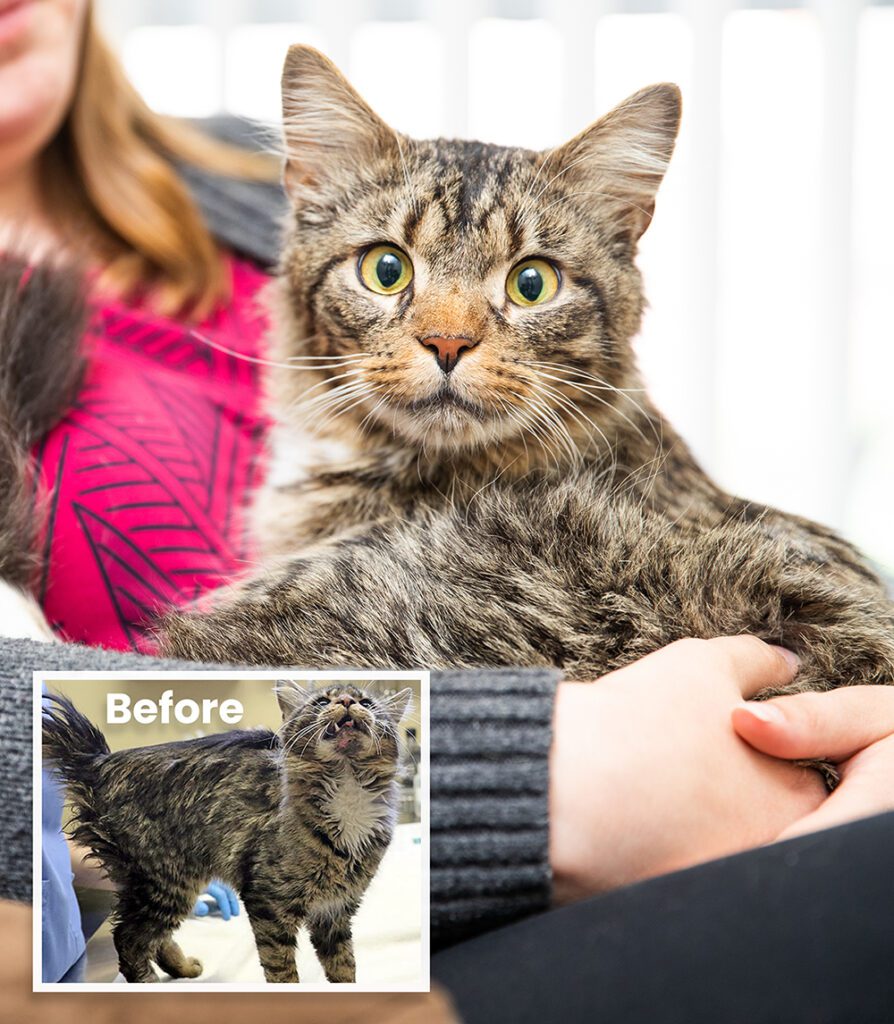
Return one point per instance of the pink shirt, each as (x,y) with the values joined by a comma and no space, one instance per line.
(147,480)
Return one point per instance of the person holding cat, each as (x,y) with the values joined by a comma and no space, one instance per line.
(179,234)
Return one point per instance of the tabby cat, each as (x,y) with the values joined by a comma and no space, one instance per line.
(297,822)
(487,483)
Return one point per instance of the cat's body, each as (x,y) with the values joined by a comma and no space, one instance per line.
(495,488)
(296,826)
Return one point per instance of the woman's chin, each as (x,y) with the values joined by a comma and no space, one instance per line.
(34,95)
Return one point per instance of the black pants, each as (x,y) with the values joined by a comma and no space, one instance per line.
(800,932)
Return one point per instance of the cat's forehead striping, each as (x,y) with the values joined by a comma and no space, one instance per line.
(339,688)
(462,199)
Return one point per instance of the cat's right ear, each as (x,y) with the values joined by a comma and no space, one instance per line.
(328,128)
(290,695)
(621,159)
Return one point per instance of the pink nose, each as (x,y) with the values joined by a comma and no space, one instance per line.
(346,699)
(447,350)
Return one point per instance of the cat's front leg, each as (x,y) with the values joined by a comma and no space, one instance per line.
(275,938)
(331,938)
(399,598)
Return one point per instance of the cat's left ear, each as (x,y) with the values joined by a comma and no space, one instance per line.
(400,703)
(290,695)
(622,158)
(329,130)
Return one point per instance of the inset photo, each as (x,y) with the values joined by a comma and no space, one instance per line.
(231,831)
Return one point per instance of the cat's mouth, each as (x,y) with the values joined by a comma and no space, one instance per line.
(346,728)
(447,398)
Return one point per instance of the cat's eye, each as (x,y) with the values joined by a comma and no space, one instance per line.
(385,269)
(532,282)
(366,702)
(320,701)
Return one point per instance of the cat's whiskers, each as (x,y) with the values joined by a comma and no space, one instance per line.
(302,409)
(558,429)
(365,394)
(511,414)
(603,384)
(370,416)
(329,380)
(600,385)
(336,361)
(300,734)
(318,738)
(571,406)
(539,427)
(589,391)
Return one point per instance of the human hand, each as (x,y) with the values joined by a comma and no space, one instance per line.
(853,727)
(647,774)
(227,903)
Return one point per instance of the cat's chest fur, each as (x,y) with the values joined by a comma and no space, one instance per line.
(354,814)
(318,489)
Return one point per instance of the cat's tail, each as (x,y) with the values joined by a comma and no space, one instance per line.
(42,319)
(74,749)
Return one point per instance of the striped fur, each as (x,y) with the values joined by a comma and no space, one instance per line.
(532,507)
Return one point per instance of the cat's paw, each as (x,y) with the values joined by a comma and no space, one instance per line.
(192,967)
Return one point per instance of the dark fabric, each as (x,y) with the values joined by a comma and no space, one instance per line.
(800,932)
(244,216)
(490,738)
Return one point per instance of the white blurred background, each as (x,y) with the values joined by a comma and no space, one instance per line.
(769,266)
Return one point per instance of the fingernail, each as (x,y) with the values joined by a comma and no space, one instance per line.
(764,712)
(793,660)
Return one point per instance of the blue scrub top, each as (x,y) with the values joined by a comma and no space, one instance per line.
(62,939)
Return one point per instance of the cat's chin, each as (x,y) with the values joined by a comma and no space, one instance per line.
(446,422)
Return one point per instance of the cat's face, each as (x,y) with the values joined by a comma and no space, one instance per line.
(460,293)
(340,722)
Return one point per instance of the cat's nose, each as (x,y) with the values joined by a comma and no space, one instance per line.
(447,350)
(346,699)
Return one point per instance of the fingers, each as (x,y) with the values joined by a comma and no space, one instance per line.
(867,788)
(227,901)
(832,726)
(219,891)
(754,664)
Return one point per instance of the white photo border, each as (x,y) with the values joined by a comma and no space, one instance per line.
(424,680)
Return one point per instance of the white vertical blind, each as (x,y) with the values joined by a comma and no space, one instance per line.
(839,21)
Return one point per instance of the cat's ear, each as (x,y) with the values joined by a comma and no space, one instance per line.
(290,695)
(328,128)
(400,703)
(622,158)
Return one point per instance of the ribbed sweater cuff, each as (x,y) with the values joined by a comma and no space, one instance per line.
(490,738)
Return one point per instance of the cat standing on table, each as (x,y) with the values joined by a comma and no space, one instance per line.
(296,822)
(454,323)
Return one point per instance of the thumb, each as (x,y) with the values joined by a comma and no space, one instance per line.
(832,726)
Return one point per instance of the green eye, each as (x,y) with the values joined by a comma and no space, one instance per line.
(532,283)
(386,270)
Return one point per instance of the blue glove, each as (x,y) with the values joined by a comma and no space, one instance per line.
(227,904)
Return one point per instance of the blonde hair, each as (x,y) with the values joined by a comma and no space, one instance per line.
(109,175)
